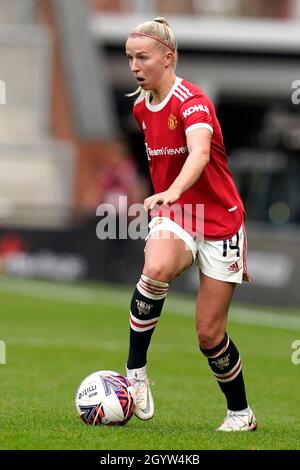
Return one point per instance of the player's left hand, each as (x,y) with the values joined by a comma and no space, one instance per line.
(166,197)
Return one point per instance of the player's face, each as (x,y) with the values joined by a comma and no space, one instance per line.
(147,62)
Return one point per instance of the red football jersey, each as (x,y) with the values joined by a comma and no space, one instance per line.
(165,126)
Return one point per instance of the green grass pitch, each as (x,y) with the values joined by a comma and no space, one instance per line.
(57,334)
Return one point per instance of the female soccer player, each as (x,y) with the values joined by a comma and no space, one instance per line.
(188,167)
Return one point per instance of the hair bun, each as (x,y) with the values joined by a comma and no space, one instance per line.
(162,20)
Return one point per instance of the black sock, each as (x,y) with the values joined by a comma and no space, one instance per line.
(225,363)
(146,306)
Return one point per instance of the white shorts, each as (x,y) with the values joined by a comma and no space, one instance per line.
(224,260)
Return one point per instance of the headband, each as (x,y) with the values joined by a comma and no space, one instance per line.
(155,38)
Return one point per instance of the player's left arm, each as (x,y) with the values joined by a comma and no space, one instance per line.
(198,142)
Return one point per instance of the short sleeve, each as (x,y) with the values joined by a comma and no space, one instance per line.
(195,114)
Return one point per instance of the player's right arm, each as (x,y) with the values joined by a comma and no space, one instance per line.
(198,142)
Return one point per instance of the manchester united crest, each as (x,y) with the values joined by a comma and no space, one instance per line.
(143,307)
(223,362)
(172,122)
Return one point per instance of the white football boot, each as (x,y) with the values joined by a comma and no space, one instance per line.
(144,405)
(237,421)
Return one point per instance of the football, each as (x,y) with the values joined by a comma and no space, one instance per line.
(105,397)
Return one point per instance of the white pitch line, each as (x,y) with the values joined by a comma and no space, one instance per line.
(40,342)
(109,295)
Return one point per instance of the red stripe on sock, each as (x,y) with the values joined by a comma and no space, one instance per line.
(139,325)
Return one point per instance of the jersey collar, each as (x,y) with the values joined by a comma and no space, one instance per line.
(160,106)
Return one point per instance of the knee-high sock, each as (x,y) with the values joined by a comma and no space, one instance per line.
(146,306)
(225,363)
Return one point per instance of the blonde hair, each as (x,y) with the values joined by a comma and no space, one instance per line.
(158,28)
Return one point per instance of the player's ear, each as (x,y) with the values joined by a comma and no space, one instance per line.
(169,57)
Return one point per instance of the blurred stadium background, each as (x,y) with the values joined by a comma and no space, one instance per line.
(68,143)
(68,140)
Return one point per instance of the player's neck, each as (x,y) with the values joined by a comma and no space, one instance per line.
(159,94)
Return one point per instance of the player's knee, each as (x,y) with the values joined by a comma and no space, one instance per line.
(208,337)
(159,271)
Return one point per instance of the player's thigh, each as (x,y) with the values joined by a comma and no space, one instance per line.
(213,302)
(166,256)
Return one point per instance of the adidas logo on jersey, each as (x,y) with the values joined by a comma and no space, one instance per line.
(234,267)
